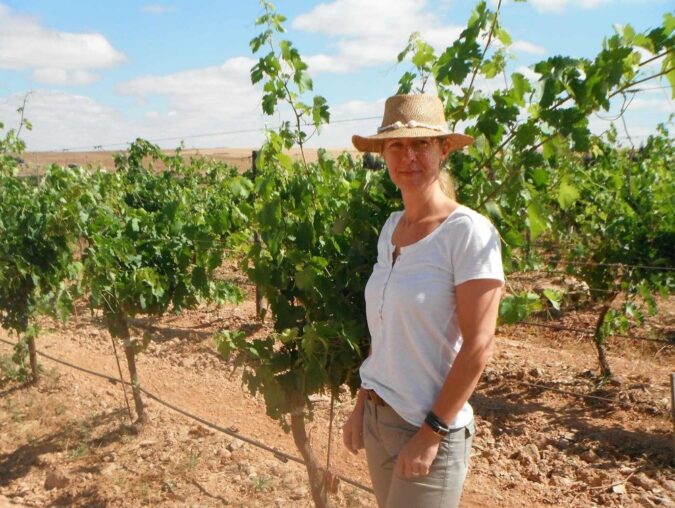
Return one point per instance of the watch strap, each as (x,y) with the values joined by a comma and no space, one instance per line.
(436,425)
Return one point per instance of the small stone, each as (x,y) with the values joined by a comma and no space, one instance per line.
(109,469)
(298,493)
(642,480)
(249,470)
(563,444)
(589,456)
(536,372)
(55,481)
(619,488)
(645,501)
(599,480)
(665,502)
(529,454)
(198,431)
(534,475)
(669,485)
(315,398)
(235,444)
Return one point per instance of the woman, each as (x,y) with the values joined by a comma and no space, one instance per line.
(432,303)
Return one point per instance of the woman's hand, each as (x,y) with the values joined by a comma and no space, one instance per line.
(352,430)
(415,458)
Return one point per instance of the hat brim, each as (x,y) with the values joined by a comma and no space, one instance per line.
(375,143)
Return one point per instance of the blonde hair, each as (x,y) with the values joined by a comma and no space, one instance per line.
(445,178)
(447,184)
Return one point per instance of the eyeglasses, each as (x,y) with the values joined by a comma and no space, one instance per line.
(400,146)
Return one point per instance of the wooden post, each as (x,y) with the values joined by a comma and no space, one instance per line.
(256,236)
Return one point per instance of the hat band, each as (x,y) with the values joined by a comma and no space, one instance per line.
(412,124)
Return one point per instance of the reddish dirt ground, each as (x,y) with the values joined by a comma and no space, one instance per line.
(67,442)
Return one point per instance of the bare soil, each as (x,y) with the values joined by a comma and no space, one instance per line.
(68,442)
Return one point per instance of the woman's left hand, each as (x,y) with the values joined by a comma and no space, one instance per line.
(415,458)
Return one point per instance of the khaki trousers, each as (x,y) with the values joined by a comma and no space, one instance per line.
(384,434)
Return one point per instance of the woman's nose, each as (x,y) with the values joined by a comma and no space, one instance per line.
(409,152)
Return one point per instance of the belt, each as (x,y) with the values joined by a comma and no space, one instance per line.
(375,398)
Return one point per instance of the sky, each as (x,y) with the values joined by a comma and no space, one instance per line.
(99,74)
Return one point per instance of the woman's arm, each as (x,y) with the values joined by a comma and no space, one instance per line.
(477,304)
(352,430)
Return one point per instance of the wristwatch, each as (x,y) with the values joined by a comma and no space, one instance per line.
(436,425)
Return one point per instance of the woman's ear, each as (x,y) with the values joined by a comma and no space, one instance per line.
(445,148)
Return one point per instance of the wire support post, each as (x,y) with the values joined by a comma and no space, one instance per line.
(672,409)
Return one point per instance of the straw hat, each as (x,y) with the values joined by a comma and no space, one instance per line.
(411,116)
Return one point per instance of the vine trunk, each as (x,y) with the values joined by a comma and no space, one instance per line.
(599,340)
(314,471)
(32,355)
(119,329)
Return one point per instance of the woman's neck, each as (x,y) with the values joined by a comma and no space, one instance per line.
(422,204)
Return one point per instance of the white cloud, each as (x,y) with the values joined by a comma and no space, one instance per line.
(528,47)
(561,5)
(365,118)
(216,91)
(556,6)
(55,57)
(370,33)
(353,18)
(158,8)
(63,120)
(367,34)
(53,76)
(658,104)
(528,73)
(215,99)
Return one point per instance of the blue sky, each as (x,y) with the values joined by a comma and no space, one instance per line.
(102,73)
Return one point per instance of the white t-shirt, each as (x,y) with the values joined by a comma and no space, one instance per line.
(410,306)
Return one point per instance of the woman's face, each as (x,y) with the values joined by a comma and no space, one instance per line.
(414,163)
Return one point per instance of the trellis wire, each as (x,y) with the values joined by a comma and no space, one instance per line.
(283,456)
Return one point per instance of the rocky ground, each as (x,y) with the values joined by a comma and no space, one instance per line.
(68,442)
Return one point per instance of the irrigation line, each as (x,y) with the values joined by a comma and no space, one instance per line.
(283,456)
(588,331)
(617,265)
(565,392)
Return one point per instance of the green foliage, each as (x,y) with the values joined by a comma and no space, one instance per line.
(11,146)
(318,227)
(155,239)
(39,224)
(285,79)
(515,308)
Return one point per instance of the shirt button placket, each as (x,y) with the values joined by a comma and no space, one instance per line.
(384,288)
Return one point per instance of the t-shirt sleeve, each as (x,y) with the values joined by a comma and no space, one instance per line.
(476,251)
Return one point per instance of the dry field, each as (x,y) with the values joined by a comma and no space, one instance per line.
(35,162)
(67,442)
